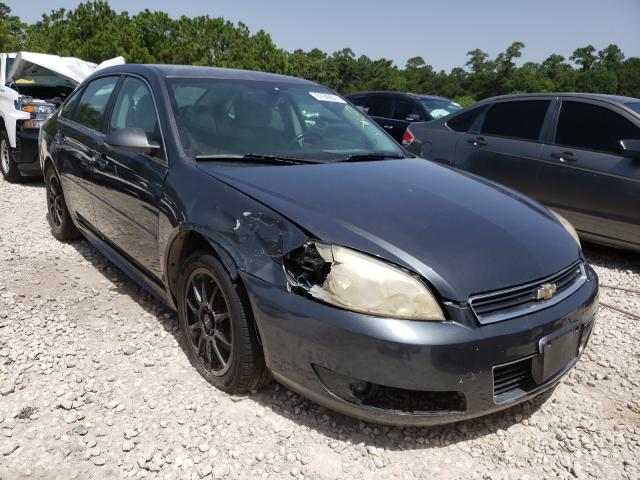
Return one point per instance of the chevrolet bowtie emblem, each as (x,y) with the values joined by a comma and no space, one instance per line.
(546,291)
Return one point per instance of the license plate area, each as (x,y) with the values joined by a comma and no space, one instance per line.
(555,351)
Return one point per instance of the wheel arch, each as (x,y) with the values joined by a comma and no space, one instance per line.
(184,243)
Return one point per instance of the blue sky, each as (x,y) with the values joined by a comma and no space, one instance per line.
(441,31)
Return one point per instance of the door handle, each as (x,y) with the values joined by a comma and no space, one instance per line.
(564,156)
(477,142)
(388,127)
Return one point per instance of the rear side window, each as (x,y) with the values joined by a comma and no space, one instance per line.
(380,107)
(463,122)
(591,127)
(522,120)
(94,102)
(405,110)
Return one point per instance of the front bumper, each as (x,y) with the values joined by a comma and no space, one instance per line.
(327,354)
(25,155)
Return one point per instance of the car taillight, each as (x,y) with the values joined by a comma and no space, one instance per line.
(407,138)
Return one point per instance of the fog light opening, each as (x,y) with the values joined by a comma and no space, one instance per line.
(367,394)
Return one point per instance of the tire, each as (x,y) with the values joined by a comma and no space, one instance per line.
(217,328)
(8,167)
(62,226)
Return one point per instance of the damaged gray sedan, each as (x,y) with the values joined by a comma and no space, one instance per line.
(297,240)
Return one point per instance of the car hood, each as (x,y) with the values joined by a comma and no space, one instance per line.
(465,235)
(69,68)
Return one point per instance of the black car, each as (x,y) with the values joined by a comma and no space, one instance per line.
(395,111)
(295,238)
(578,154)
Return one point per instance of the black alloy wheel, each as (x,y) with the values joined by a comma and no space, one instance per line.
(209,322)
(218,329)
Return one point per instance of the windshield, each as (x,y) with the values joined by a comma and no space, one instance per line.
(635,106)
(44,81)
(439,107)
(8,64)
(238,117)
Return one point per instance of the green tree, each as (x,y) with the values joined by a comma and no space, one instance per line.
(628,75)
(95,32)
(11,30)
(584,56)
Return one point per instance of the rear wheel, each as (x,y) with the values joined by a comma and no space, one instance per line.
(9,168)
(62,226)
(217,327)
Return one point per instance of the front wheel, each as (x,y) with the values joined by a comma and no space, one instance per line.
(9,168)
(217,327)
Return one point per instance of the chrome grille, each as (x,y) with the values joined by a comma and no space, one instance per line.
(517,301)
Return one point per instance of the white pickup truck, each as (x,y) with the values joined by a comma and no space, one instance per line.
(32,87)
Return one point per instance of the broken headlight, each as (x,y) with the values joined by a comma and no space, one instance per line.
(361,283)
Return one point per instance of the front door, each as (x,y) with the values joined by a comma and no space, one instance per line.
(584,175)
(128,185)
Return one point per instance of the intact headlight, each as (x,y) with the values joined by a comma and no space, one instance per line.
(568,227)
(361,283)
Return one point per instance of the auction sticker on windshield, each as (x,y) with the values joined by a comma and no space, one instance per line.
(326,97)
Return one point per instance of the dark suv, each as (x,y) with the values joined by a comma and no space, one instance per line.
(579,154)
(394,111)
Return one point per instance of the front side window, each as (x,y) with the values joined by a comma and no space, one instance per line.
(238,117)
(93,103)
(522,120)
(583,125)
(134,108)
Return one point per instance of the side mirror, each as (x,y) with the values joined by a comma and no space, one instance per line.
(132,139)
(364,110)
(631,148)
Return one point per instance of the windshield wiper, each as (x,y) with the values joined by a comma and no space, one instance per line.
(256,158)
(371,156)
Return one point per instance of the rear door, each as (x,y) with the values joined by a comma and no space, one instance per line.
(77,143)
(584,175)
(504,144)
(128,185)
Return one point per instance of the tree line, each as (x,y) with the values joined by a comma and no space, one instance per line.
(93,31)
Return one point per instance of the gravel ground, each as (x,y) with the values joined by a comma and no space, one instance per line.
(94,384)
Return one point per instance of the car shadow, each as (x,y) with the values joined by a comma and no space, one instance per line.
(297,409)
(340,427)
(32,182)
(601,256)
(307,414)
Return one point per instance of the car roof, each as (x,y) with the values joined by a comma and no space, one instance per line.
(190,71)
(388,92)
(589,96)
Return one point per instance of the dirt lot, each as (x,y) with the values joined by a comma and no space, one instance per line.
(94,384)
